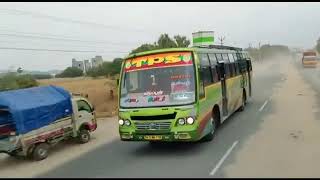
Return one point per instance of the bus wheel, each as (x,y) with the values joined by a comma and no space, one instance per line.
(243,103)
(214,122)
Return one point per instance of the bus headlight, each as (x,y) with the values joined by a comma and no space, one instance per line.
(127,122)
(181,121)
(121,122)
(190,120)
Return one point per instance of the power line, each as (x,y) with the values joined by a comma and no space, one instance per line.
(50,45)
(60,45)
(57,50)
(7,29)
(66,20)
(59,39)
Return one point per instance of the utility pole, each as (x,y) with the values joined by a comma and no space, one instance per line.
(221,39)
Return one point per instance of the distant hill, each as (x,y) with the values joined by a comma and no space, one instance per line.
(54,71)
(42,72)
(50,72)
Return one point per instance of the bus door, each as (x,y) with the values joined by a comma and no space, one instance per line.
(249,69)
(223,88)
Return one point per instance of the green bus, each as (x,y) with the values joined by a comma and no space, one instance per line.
(181,94)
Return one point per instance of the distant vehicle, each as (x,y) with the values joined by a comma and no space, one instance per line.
(33,119)
(182,94)
(309,59)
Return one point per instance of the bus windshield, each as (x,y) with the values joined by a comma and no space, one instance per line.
(158,80)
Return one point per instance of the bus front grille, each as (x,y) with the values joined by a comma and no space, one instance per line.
(155,117)
(153,125)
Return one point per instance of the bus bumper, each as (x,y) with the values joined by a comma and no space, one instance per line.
(169,137)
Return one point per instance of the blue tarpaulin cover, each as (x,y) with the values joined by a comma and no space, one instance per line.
(32,108)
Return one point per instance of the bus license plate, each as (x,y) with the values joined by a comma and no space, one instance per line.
(153,137)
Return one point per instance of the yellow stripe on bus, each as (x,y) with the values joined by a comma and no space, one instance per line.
(219,83)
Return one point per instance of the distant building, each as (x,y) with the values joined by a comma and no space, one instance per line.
(87,65)
(78,64)
(96,61)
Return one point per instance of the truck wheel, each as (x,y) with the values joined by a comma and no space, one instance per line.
(30,151)
(13,154)
(40,152)
(84,136)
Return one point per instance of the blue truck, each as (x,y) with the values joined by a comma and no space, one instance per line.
(34,119)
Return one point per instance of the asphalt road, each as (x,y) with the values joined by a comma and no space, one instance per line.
(140,159)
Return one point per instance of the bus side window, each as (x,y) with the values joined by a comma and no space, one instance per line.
(215,75)
(227,70)
(243,66)
(236,65)
(205,76)
(250,65)
(238,56)
(235,57)
(205,69)
(204,60)
(214,70)
(219,57)
(213,59)
(241,56)
(232,70)
(225,58)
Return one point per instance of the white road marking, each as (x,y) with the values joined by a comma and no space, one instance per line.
(223,159)
(264,104)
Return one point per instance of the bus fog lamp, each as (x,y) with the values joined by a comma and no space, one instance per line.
(127,122)
(181,121)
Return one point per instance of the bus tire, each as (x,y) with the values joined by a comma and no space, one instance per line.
(40,152)
(84,136)
(243,102)
(215,119)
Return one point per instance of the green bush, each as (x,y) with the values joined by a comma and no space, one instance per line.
(12,81)
(106,69)
(70,72)
(41,76)
(164,41)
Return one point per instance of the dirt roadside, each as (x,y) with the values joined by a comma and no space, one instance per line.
(287,143)
(17,168)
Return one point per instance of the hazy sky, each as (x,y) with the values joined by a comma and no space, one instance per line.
(114,29)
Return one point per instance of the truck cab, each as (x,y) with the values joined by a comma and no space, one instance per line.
(84,114)
(309,59)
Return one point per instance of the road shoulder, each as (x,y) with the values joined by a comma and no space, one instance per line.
(286,144)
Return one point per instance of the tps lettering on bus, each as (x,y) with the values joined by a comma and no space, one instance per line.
(159,60)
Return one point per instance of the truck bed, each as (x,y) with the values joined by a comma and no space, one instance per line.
(55,129)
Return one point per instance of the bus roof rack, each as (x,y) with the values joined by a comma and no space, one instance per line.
(224,47)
